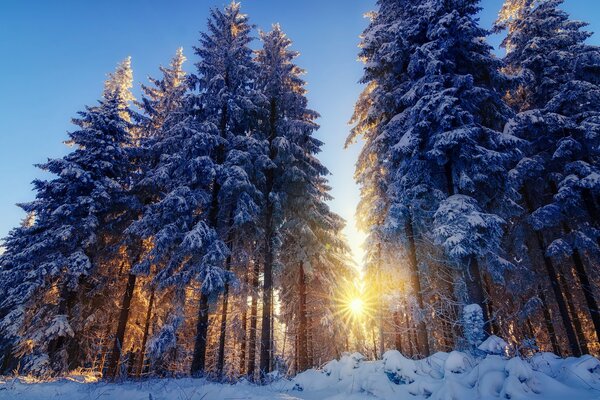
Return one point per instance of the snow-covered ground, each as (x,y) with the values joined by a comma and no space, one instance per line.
(443,376)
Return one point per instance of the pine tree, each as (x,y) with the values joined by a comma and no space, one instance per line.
(47,260)
(295,213)
(557,94)
(229,103)
(433,119)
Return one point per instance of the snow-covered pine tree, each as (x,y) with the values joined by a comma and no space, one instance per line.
(558,96)
(171,194)
(439,121)
(47,259)
(228,102)
(385,52)
(295,213)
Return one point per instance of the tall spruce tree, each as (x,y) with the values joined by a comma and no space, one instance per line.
(435,126)
(228,101)
(557,93)
(47,259)
(295,213)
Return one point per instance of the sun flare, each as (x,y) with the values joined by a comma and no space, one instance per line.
(357,307)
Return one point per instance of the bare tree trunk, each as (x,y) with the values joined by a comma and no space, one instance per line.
(223,333)
(253,324)
(302,321)
(415,281)
(574,315)
(588,291)
(549,324)
(244,328)
(115,356)
(199,357)
(398,335)
(140,365)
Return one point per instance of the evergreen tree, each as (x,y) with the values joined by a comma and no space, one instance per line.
(47,259)
(557,93)
(229,103)
(434,121)
(295,214)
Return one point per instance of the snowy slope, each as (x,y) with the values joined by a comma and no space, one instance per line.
(443,376)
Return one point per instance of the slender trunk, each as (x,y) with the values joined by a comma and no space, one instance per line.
(588,291)
(115,356)
(199,357)
(140,365)
(548,323)
(422,336)
(223,333)
(398,335)
(253,325)
(552,275)
(302,322)
(244,327)
(574,315)
(265,339)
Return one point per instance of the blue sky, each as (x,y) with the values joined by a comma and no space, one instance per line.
(56,54)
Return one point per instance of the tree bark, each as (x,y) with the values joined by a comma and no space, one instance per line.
(140,365)
(244,327)
(588,291)
(253,324)
(552,275)
(574,315)
(223,333)
(115,356)
(302,321)
(415,281)
(549,324)
(398,335)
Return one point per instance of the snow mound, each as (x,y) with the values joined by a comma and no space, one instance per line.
(442,376)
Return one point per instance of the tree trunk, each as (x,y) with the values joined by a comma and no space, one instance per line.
(415,281)
(302,322)
(549,324)
(223,333)
(244,327)
(588,291)
(140,366)
(552,275)
(398,335)
(574,315)
(199,357)
(253,325)
(115,356)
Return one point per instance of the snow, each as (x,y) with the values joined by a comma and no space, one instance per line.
(442,376)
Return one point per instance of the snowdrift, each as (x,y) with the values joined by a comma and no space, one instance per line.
(442,376)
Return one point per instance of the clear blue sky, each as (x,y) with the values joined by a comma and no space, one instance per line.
(56,54)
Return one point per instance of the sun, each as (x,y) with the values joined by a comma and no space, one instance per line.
(357,307)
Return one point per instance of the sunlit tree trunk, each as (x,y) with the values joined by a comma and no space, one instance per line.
(253,324)
(140,365)
(574,315)
(115,355)
(302,321)
(415,282)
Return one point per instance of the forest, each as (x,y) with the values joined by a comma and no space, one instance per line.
(189,234)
